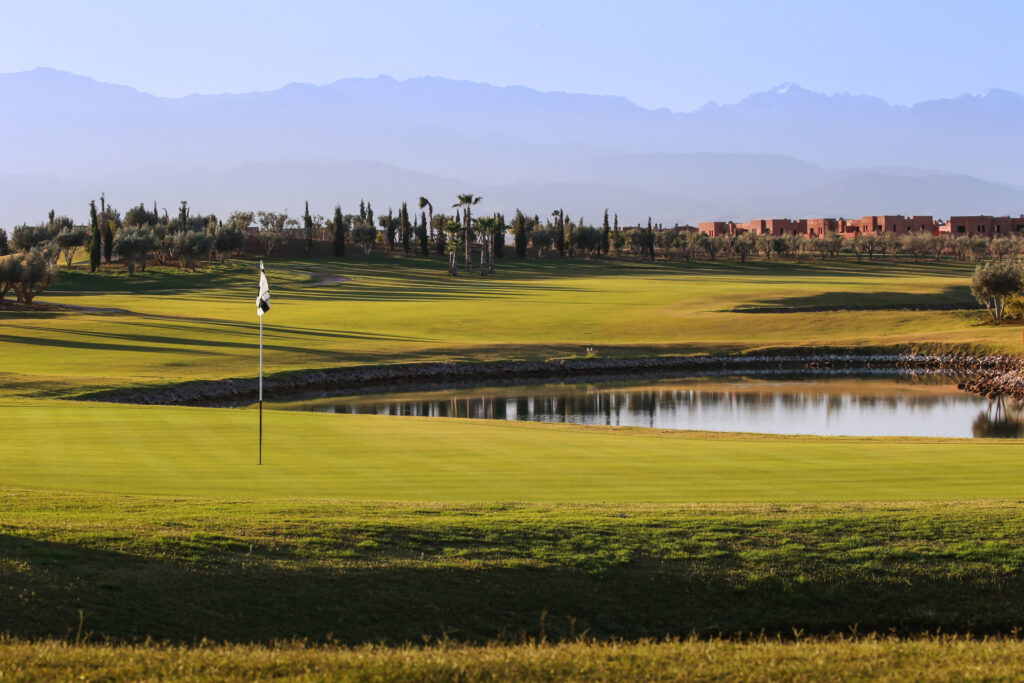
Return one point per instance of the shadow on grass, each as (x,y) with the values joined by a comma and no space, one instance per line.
(241,593)
(955,298)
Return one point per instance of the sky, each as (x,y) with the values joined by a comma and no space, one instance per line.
(678,55)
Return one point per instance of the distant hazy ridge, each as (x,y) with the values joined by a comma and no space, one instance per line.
(786,152)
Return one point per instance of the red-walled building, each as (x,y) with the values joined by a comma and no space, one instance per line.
(716,228)
(983,226)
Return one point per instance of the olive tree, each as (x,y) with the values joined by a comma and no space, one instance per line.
(272,226)
(28,237)
(541,239)
(364,234)
(36,274)
(69,240)
(227,238)
(190,246)
(10,273)
(133,245)
(743,246)
(994,282)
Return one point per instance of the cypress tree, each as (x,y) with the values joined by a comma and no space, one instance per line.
(560,233)
(340,232)
(369,213)
(307,226)
(108,236)
(519,229)
(499,237)
(389,228)
(569,238)
(650,238)
(94,243)
(362,210)
(424,246)
(616,222)
(403,219)
(605,237)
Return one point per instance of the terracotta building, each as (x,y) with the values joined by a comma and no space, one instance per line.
(716,228)
(984,226)
(901,225)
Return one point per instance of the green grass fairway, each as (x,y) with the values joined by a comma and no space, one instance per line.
(166,326)
(121,523)
(212,452)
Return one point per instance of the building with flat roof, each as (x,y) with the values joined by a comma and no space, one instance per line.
(983,226)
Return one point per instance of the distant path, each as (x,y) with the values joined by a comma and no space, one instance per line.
(323,279)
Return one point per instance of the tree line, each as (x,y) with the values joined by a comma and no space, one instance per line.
(142,235)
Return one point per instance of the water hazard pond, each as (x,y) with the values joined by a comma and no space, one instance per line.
(827,405)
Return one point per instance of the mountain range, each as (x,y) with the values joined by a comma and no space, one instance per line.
(65,138)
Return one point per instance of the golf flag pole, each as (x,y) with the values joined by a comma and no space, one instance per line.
(262,306)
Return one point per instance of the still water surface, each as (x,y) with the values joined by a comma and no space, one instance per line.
(892,405)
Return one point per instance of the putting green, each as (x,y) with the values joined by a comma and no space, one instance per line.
(212,452)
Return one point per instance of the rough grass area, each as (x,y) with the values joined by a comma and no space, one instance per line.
(213,452)
(170,326)
(179,570)
(807,659)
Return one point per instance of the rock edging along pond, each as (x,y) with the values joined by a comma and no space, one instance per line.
(989,369)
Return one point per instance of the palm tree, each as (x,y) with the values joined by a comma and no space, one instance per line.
(424,202)
(467,200)
(488,228)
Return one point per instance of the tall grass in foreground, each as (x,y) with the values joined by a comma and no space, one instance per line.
(841,658)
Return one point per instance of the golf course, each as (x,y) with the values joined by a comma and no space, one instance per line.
(438,548)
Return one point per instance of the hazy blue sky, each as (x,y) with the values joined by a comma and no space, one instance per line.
(658,54)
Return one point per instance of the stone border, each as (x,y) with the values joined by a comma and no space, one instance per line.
(360,379)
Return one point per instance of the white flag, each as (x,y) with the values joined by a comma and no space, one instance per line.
(263,300)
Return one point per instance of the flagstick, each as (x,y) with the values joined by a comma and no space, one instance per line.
(261,390)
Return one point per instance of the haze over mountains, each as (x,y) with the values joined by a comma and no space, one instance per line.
(785,152)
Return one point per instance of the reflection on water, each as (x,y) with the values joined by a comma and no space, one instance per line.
(852,407)
(1001,420)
